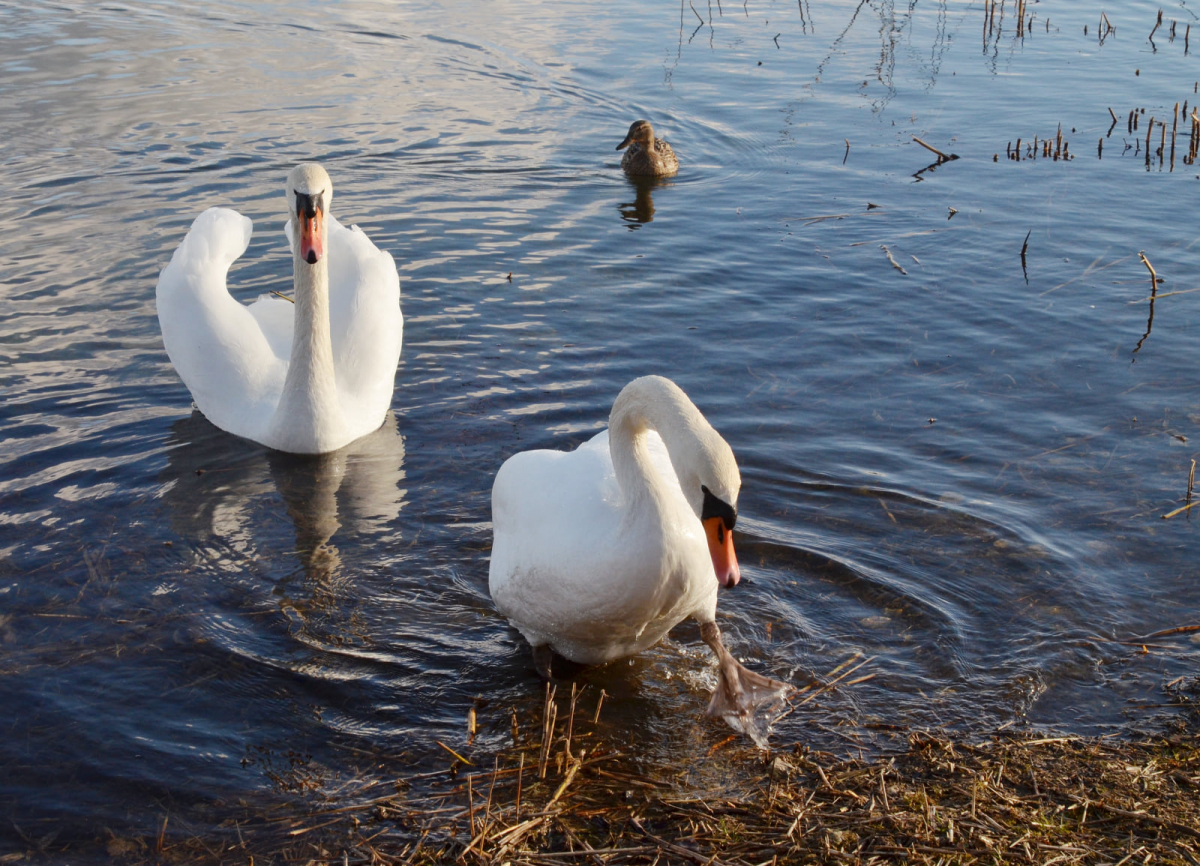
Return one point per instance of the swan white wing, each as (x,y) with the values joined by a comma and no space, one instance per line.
(565,568)
(217,346)
(277,319)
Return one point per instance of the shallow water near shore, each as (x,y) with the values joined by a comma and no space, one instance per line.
(955,458)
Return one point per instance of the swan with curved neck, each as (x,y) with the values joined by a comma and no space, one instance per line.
(599,552)
(307,377)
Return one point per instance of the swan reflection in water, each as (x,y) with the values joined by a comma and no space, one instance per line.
(641,209)
(224,492)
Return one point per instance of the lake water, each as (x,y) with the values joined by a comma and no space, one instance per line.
(955,473)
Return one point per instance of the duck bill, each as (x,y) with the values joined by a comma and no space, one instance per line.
(720,547)
(624,144)
(312,248)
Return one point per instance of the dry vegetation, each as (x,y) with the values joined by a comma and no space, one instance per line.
(559,795)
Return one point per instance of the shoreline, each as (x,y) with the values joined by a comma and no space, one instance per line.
(562,794)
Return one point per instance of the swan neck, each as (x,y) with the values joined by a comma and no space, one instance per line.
(308,409)
(311,341)
(635,413)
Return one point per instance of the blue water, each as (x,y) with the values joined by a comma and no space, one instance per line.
(957,473)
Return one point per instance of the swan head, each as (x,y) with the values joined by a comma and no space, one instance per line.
(640,131)
(309,193)
(712,491)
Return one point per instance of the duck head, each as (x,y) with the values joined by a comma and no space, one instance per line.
(309,193)
(640,131)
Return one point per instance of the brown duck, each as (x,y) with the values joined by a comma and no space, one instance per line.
(647,156)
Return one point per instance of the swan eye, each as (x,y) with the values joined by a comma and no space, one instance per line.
(714,506)
(308,204)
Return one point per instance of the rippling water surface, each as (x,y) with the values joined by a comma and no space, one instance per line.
(954,467)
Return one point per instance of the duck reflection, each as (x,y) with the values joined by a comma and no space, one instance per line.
(641,209)
(224,488)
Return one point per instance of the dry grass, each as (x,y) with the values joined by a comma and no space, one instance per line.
(559,795)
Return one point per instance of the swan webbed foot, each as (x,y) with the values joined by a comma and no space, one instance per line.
(748,702)
(542,657)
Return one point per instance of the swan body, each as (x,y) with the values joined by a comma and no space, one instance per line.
(647,156)
(307,377)
(598,552)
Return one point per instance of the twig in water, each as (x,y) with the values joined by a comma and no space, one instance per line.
(454,753)
(895,264)
(1183,629)
(1154,280)
(281,295)
(599,704)
(1156,26)
(847,156)
(942,157)
(1024,249)
(1169,515)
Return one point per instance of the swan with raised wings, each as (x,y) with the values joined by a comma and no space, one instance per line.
(307,377)
(599,552)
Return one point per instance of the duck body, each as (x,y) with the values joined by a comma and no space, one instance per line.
(647,156)
(307,377)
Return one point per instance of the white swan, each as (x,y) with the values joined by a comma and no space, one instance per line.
(307,377)
(599,552)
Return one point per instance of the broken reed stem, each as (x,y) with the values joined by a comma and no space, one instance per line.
(1174,129)
(941,156)
(1149,130)
(487,809)
(549,717)
(1153,275)
(454,753)
(520,777)
(1191,482)
(599,704)
(571,721)
(471,807)
(1156,26)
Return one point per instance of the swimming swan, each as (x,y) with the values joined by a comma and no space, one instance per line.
(599,552)
(308,377)
(647,156)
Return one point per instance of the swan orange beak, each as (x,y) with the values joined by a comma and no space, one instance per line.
(311,247)
(312,226)
(720,547)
